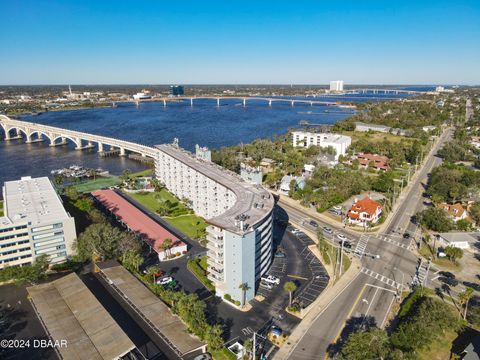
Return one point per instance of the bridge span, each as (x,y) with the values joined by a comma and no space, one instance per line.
(35,132)
(243,99)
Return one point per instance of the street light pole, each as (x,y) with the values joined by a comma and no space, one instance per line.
(341,258)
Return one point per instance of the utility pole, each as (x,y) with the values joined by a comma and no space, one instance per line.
(341,258)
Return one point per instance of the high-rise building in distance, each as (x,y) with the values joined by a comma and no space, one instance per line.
(176,90)
(336,85)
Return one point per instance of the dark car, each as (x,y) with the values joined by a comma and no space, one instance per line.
(327,230)
(448,281)
(406,236)
(347,244)
(313,223)
(472,285)
(447,274)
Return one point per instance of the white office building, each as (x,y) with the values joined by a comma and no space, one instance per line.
(306,139)
(239,215)
(34,223)
(336,85)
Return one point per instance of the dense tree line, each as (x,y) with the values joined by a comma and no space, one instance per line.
(422,320)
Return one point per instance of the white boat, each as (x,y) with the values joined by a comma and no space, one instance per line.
(141,96)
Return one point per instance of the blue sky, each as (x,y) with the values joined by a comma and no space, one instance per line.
(239,42)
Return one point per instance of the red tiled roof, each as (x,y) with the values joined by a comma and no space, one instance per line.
(366,205)
(151,231)
(455,210)
(373,157)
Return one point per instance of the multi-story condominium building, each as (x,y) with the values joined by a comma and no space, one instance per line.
(34,223)
(336,85)
(238,213)
(339,142)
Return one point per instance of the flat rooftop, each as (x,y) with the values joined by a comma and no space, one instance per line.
(151,231)
(71,312)
(31,200)
(169,326)
(253,201)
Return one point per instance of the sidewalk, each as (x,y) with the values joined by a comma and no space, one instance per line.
(317,308)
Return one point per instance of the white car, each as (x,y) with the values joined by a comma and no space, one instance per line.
(271,279)
(266,285)
(164,280)
(342,237)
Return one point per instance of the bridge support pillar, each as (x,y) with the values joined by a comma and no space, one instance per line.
(311,103)
(191,101)
(164,103)
(7,135)
(270,103)
(137,103)
(293,103)
(218,101)
(100,147)
(122,152)
(244,102)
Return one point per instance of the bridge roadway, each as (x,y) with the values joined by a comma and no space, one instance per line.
(81,140)
(244,99)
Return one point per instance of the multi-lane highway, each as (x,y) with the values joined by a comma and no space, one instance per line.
(368,298)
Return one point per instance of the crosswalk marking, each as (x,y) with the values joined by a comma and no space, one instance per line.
(361,245)
(393,242)
(380,277)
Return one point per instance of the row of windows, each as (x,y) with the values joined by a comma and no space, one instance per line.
(53,249)
(13,228)
(15,259)
(14,243)
(47,235)
(14,251)
(13,236)
(47,227)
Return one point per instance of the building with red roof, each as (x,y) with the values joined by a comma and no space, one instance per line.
(150,231)
(379,162)
(364,211)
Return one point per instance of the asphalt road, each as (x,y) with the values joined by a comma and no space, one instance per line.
(368,298)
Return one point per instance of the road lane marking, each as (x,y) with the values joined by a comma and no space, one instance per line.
(297,277)
(346,319)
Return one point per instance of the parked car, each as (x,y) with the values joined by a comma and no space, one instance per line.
(342,237)
(337,207)
(313,223)
(335,212)
(266,285)
(472,285)
(205,356)
(406,235)
(279,254)
(447,274)
(271,279)
(165,280)
(327,230)
(448,281)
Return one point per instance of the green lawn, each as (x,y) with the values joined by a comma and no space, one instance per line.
(198,267)
(148,172)
(191,225)
(223,354)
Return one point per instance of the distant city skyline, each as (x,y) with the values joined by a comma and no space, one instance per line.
(370,42)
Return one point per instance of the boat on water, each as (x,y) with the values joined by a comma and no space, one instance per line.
(141,96)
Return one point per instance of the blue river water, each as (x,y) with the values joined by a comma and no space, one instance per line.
(152,123)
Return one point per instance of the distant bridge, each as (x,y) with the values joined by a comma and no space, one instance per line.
(243,99)
(57,136)
(384,91)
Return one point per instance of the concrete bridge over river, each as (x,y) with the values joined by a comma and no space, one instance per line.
(34,132)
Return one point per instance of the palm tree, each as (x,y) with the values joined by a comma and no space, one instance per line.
(290,287)
(464,298)
(166,246)
(152,271)
(244,287)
